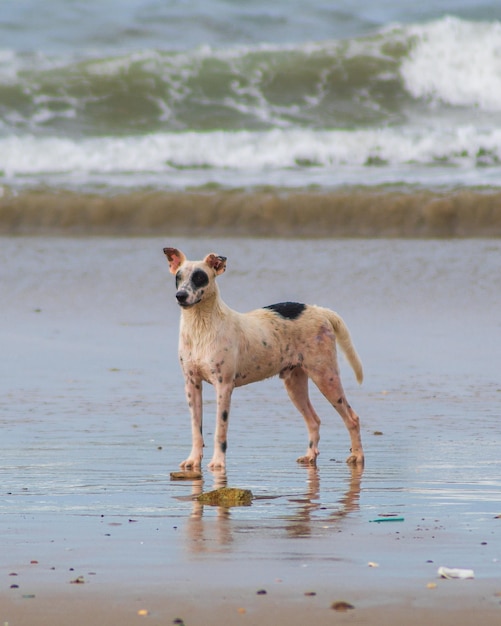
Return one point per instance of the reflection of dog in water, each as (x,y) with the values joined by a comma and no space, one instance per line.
(230,349)
(304,514)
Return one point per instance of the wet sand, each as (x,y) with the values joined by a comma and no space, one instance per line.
(93,420)
(88,607)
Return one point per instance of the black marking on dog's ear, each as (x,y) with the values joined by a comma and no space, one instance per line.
(287,310)
(199,278)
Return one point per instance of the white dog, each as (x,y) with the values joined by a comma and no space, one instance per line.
(230,349)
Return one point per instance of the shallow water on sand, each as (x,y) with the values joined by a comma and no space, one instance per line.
(93,417)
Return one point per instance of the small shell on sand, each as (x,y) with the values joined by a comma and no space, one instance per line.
(227,496)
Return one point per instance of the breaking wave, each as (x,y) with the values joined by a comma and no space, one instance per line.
(350,212)
(390,77)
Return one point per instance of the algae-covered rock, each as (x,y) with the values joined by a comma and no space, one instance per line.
(227,496)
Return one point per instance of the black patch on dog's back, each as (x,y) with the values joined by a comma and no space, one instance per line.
(288,310)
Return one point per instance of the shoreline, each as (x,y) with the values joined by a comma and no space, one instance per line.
(344,213)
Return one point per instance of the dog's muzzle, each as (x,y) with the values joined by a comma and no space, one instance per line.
(185,299)
(182,297)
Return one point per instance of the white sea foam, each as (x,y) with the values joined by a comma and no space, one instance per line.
(242,150)
(456,62)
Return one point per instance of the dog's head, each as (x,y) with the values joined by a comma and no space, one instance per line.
(194,279)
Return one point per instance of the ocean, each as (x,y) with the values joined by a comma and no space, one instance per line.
(125,99)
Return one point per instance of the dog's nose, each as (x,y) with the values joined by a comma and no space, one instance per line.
(182,296)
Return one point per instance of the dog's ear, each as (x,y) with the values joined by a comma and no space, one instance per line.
(175,257)
(218,263)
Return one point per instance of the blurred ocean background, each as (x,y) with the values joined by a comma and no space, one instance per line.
(122,98)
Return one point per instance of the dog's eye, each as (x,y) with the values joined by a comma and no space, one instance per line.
(178,279)
(199,278)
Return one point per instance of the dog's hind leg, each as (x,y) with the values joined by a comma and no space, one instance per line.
(329,383)
(296,383)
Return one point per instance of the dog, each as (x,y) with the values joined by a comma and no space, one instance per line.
(229,349)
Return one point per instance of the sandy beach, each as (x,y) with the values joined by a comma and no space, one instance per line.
(93,420)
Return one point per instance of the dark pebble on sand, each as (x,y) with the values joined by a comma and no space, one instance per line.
(341,605)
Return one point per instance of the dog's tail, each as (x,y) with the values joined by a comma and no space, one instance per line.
(343,337)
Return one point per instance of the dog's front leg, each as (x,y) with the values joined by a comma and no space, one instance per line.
(193,389)
(223,394)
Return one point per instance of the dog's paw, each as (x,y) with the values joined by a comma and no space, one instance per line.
(217,464)
(190,464)
(307,460)
(356,459)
